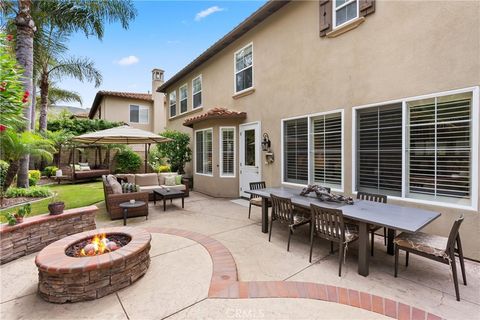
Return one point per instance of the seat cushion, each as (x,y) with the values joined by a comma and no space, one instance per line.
(146,179)
(423,242)
(256,202)
(148,188)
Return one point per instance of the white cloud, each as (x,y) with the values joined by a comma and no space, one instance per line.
(127,61)
(205,13)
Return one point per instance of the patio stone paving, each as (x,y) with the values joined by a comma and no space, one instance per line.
(177,283)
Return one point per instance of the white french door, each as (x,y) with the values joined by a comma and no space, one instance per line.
(250,153)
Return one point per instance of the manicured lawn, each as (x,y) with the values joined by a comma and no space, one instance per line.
(74,196)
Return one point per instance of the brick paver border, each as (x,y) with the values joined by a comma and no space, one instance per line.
(225,285)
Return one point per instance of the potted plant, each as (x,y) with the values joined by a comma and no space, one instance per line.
(56,207)
(11,220)
(23,212)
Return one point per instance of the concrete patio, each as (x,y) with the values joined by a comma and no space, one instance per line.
(177,283)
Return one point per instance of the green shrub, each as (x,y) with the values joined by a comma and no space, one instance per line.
(33,177)
(50,171)
(127,161)
(31,192)
(165,168)
(3,172)
(177,152)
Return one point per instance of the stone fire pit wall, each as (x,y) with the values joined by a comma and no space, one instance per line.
(35,233)
(72,279)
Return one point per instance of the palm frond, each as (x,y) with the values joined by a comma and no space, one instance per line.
(55,95)
(82,69)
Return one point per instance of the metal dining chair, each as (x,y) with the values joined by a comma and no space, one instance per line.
(330,225)
(373,228)
(284,212)
(436,248)
(254,199)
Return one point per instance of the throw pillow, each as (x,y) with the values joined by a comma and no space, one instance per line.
(83,164)
(129,188)
(116,187)
(178,180)
(170,181)
(77,167)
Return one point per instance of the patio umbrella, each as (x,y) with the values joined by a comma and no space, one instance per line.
(122,135)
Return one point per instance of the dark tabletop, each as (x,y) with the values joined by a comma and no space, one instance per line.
(397,217)
(172,192)
(127,205)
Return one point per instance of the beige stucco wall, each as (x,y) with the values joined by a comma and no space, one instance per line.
(405,49)
(118,109)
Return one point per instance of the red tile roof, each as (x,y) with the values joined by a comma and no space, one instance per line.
(215,113)
(128,95)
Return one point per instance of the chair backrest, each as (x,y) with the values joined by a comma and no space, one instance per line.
(452,237)
(256,186)
(282,208)
(328,223)
(372,197)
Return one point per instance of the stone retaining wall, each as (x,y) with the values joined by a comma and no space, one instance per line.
(37,232)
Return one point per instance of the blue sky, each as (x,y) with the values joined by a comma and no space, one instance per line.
(165,34)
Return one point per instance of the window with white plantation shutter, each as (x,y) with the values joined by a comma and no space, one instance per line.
(379,150)
(295,151)
(203,151)
(227,152)
(326,150)
(422,148)
(172,102)
(439,148)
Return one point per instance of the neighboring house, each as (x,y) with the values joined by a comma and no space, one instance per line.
(132,108)
(355,95)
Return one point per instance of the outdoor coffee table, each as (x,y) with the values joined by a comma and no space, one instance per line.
(166,194)
(128,205)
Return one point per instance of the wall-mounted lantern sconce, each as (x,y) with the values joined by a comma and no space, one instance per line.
(266,142)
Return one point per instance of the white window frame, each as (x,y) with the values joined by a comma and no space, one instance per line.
(475,116)
(195,153)
(170,104)
(220,130)
(235,71)
(194,93)
(180,98)
(334,13)
(309,121)
(140,107)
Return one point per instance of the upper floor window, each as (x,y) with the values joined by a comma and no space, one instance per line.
(183,98)
(197,92)
(138,114)
(173,103)
(244,68)
(344,11)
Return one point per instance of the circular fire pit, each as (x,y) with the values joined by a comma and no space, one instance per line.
(68,275)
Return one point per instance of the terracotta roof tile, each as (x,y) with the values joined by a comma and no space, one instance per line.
(215,113)
(128,95)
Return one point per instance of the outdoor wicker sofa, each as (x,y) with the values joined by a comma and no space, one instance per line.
(112,201)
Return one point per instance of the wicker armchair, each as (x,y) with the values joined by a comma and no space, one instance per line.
(112,201)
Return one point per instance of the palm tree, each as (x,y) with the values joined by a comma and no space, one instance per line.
(15,145)
(68,16)
(78,68)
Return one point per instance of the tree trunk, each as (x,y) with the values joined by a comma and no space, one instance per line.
(24,52)
(11,172)
(43,102)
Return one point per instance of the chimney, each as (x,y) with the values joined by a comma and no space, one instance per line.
(158,101)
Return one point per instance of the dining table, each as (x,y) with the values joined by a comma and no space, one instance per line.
(395,218)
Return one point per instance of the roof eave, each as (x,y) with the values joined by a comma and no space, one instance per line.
(248,24)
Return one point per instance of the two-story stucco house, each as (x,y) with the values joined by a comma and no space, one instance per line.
(357,95)
(140,110)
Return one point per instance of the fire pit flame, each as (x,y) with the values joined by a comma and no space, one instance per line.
(98,245)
